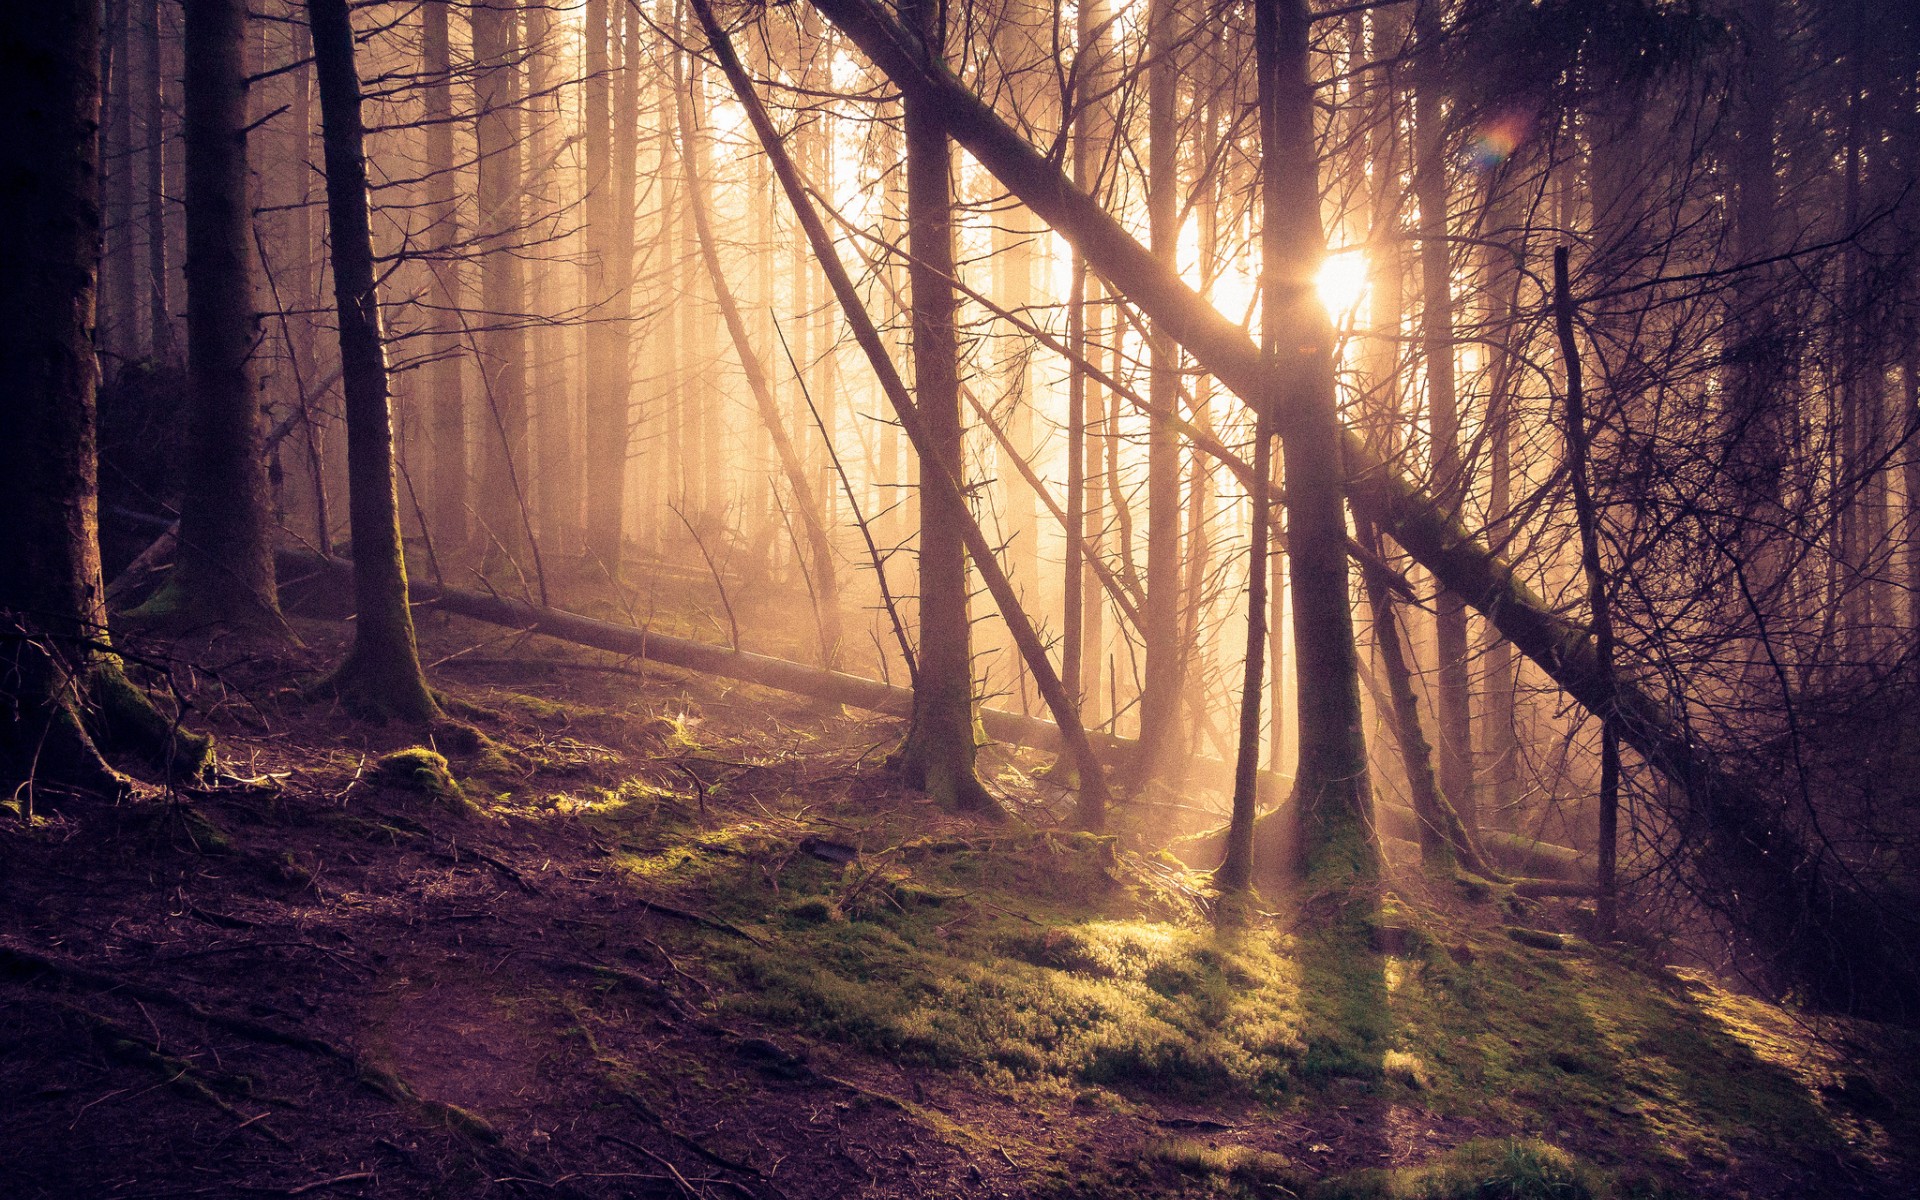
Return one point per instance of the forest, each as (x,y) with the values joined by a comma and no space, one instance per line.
(960,598)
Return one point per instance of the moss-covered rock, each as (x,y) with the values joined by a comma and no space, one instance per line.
(425,773)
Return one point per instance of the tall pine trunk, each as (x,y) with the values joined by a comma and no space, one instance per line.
(68,700)
(1165,655)
(225,570)
(446,382)
(1331,790)
(498,129)
(604,343)
(938,755)
(382,673)
(1453,697)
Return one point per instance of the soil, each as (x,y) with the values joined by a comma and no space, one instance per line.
(303,979)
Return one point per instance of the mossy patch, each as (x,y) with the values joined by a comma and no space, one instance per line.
(424,773)
(1485,1169)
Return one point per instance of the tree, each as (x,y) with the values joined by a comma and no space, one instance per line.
(451,526)
(381,675)
(70,705)
(938,754)
(1331,790)
(606,276)
(499,124)
(224,574)
(1454,695)
(1166,657)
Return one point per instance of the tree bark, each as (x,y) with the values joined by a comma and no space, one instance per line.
(1453,698)
(225,565)
(69,700)
(1165,655)
(381,675)
(159,290)
(119,333)
(938,755)
(498,129)
(604,341)
(452,529)
(1330,787)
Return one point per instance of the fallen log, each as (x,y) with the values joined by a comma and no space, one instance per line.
(301,570)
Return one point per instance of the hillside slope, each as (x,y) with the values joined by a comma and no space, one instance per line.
(652,935)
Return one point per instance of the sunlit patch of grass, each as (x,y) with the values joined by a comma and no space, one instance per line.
(1257,1169)
(1131,1004)
(1488,1169)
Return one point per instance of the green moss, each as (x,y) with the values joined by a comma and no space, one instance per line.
(424,772)
(1488,1169)
(1240,1164)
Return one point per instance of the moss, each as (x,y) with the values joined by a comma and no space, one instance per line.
(813,910)
(1406,1069)
(424,772)
(1240,1164)
(1488,1169)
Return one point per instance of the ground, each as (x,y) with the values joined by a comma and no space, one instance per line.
(639,933)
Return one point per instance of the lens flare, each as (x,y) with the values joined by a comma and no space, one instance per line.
(1341,283)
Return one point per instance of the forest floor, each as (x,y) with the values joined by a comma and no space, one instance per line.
(674,937)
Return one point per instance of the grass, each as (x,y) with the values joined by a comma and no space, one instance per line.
(1051,966)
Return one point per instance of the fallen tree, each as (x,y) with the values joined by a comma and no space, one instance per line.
(302,570)
(1818,929)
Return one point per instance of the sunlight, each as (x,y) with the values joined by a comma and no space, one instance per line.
(1341,283)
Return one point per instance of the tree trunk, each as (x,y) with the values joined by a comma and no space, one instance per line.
(159,290)
(557,497)
(1587,517)
(604,341)
(119,333)
(1415,752)
(382,675)
(225,566)
(938,755)
(452,531)
(1236,871)
(1165,655)
(1453,699)
(1091,810)
(1330,788)
(498,129)
(68,699)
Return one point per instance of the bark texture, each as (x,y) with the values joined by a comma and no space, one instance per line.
(225,565)
(382,675)
(68,704)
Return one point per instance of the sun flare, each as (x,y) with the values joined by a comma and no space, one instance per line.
(1341,283)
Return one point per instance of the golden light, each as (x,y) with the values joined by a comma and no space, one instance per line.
(1341,283)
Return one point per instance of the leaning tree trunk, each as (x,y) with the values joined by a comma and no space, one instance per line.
(382,673)
(68,701)
(1090,812)
(1826,934)
(225,566)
